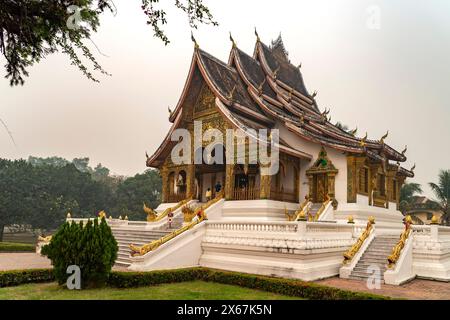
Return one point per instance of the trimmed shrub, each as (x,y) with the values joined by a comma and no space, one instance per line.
(17,277)
(91,247)
(16,247)
(282,286)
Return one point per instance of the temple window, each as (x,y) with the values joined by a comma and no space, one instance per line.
(364,180)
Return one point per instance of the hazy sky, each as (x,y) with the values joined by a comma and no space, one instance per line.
(394,78)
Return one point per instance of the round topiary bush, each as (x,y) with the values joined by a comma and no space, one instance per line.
(91,246)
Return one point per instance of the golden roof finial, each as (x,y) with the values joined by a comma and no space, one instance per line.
(194,41)
(353,132)
(362,143)
(232,40)
(257,36)
(384,137)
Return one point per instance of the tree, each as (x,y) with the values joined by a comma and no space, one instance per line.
(442,193)
(32,29)
(133,192)
(407,194)
(92,247)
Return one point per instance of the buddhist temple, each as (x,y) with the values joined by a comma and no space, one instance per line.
(318,160)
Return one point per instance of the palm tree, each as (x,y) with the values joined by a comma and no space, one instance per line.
(407,194)
(442,193)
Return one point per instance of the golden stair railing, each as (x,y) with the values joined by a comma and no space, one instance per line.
(321,210)
(199,212)
(397,250)
(348,256)
(152,216)
(300,213)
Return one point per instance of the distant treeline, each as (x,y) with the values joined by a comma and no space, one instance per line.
(39,192)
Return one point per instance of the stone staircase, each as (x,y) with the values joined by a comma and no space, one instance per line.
(139,236)
(375,256)
(315,207)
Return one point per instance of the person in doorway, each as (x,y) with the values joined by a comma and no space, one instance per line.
(208,194)
(218,187)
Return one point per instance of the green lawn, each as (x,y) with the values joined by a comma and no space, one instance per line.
(184,291)
(16,247)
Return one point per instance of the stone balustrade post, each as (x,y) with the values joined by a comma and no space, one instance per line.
(434,231)
(301,228)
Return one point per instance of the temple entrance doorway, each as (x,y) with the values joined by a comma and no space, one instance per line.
(320,188)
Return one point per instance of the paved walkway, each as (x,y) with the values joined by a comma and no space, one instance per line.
(29,260)
(416,289)
(26,260)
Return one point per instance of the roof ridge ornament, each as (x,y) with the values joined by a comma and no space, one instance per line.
(299,66)
(231,94)
(146,155)
(232,40)
(196,46)
(404,150)
(260,87)
(354,131)
(362,143)
(257,35)
(275,73)
(384,137)
(413,168)
(314,94)
(170,112)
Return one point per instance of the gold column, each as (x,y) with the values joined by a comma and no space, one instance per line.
(390,184)
(165,185)
(351,179)
(229,181)
(265,184)
(359,164)
(373,171)
(190,180)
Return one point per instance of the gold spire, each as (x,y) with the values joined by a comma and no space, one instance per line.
(196,46)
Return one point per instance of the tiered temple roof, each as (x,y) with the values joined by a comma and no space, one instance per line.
(256,91)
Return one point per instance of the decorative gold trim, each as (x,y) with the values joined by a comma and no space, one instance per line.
(200,212)
(348,256)
(397,250)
